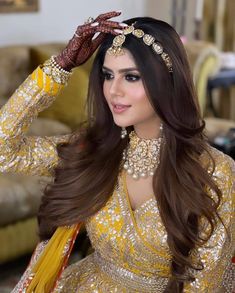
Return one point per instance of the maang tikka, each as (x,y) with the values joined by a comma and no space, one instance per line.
(116,48)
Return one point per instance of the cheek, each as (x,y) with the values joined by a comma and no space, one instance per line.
(142,104)
(106,90)
(136,91)
(139,97)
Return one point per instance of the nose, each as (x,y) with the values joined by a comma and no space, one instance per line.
(116,88)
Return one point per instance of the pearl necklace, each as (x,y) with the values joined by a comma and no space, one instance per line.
(142,156)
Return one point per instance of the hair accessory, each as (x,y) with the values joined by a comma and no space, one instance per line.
(123,132)
(55,71)
(142,156)
(149,40)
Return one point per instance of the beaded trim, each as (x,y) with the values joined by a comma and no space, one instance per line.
(55,71)
(130,279)
(149,40)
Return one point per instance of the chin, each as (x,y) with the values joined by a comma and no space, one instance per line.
(124,121)
(122,124)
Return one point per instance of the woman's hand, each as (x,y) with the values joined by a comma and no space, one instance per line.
(82,45)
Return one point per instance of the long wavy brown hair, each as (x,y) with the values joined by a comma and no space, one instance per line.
(90,162)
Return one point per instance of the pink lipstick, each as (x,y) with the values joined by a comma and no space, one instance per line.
(119,108)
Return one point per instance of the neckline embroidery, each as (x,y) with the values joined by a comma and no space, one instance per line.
(127,211)
(149,202)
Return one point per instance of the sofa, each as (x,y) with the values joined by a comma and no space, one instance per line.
(20,195)
(204,60)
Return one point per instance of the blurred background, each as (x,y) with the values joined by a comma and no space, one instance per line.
(33,30)
(55,20)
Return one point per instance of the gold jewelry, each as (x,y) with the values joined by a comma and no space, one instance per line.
(142,156)
(55,71)
(149,40)
(89,20)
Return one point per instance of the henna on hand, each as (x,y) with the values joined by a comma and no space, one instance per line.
(82,45)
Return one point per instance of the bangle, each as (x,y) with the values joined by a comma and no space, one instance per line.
(55,71)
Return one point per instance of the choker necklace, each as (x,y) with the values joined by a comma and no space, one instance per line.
(142,156)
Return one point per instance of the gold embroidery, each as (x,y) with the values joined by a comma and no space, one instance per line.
(117,235)
(136,242)
(27,154)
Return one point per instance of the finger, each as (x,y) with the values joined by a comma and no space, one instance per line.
(87,43)
(108,30)
(101,17)
(85,32)
(104,26)
(97,41)
(107,15)
(86,27)
(113,24)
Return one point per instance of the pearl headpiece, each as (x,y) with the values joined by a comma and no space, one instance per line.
(149,40)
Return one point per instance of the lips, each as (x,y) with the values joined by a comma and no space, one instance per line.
(119,108)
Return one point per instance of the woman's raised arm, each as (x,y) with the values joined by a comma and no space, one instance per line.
(27,154)
(38,155)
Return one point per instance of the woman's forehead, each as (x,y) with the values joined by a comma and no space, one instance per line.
(117,62)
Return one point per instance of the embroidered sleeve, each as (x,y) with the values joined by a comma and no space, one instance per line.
(217,254)
(21,153)
(26,277)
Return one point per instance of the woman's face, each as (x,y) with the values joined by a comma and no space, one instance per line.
(126,96)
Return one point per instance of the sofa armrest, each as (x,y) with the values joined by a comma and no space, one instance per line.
(70,105)
(204,60)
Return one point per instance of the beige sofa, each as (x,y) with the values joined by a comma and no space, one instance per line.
(19,201)
(20,195)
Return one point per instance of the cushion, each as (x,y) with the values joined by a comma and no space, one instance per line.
(14,68)
(20,195)
(69,106)
(46,126)
(18,239)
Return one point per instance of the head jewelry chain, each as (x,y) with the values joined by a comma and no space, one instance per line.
(149,40)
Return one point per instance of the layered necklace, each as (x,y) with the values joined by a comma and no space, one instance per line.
(142,156)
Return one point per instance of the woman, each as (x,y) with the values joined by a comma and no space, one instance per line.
(156,199)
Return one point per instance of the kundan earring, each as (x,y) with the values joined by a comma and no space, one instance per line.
(123,132)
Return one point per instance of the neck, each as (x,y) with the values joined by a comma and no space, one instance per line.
(148,130)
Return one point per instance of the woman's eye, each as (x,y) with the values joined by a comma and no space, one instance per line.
(132,77)
(128,77)
(107,76)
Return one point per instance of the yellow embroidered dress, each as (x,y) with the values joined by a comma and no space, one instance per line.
(131,251)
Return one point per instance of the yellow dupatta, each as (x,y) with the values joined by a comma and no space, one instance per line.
(52,261)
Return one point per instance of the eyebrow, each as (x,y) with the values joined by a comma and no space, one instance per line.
(123,70)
